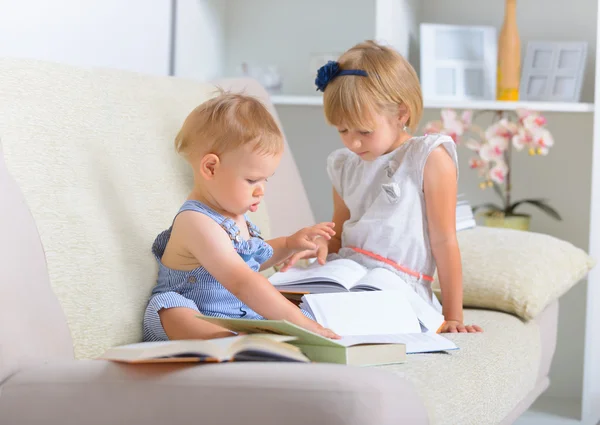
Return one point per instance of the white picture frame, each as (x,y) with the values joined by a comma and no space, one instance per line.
(458,62)
(553,71)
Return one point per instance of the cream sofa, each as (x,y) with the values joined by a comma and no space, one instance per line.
(89,177)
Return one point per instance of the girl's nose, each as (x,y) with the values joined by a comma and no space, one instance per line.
(258,191)
(355,144)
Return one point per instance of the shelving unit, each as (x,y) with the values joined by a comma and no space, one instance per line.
(478,105)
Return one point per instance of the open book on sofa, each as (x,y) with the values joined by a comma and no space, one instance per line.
(355,350)
(257,347)
(391,312)
(346,276)
(334,276)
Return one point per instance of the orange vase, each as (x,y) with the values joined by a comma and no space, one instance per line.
(509,56)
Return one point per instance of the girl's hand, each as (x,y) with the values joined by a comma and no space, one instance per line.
(328,333)
(304,239)
(321,254)
(454,326)
(320,330)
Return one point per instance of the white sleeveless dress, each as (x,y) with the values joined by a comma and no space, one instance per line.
(387,209)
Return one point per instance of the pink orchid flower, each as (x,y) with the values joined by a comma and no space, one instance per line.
(475,163)
(433,127)
(502,128)
(523,139)
(494,149)
(455,126)
(473,144)
(531,120)
(542,140)
(492,159)
(480,166)
(498,172)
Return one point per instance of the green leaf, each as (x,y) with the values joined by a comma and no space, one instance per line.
(488,206)
(511,208)
(539,203)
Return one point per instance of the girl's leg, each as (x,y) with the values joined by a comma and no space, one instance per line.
(182,323)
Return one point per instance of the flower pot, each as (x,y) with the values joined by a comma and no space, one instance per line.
(517,222)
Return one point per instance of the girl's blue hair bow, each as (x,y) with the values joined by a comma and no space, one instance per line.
(331,70)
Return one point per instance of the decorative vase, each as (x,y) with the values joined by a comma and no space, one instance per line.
(517,221)
(509,56)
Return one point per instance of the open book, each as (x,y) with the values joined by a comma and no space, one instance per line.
(357,350)
(334,276)
(399,311)
(346,276)
(465,219)
(258,347)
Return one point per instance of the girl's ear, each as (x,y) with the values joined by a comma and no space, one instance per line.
(209,165)
(403,117)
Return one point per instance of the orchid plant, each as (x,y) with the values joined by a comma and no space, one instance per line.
(522,130)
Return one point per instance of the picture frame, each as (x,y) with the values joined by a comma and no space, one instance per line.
(553,71)
(458,62)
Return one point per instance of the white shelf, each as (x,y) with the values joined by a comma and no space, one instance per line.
(440,104)
(297,100)
(509,106)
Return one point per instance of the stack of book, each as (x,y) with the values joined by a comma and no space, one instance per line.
(379,317)
(464,214)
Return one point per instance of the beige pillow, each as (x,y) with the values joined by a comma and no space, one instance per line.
(517,272)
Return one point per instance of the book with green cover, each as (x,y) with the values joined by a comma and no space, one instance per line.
(355,351)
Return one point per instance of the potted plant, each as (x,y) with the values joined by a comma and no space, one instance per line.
(522,130)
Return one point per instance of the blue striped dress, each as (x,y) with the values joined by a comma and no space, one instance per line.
(197,289)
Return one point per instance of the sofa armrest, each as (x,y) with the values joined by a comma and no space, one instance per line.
(95,392)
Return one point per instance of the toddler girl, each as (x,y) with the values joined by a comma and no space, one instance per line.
(209,259)
(394,194)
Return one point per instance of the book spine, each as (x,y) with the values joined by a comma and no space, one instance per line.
(320,354)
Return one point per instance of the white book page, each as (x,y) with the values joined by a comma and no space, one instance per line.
(415,342)
(364,313)
(343,272)
(385,280)
(313,287)
(379,279)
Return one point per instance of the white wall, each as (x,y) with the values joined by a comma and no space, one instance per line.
(214,37)
(292,31)
(397,23)
(200,39)
(132,35)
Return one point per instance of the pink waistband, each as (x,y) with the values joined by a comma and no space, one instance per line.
(393,264)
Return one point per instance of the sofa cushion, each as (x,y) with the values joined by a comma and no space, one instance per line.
(34,328)
(517,272)
(481,383)
(98,392)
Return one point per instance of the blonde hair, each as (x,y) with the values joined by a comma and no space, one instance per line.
(227,122)
(391,84)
